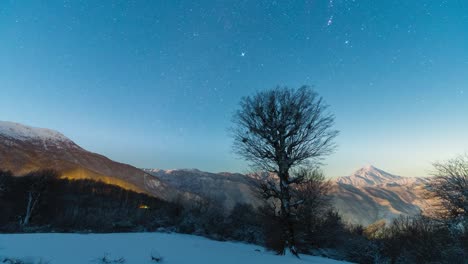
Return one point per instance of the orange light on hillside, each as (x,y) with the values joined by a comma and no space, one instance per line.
(143,206)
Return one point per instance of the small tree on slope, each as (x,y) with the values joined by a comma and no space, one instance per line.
(282,131)
(450,186)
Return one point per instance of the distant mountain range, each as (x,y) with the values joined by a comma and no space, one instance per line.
(227,189)
(364,197)
(371,194)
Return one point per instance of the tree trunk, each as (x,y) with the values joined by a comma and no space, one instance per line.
(32,200)
(286,215)
(27,216)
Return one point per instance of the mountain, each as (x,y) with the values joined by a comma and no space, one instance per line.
(368,176)
(227,189)
(371,194)
(366,196)
(24,149)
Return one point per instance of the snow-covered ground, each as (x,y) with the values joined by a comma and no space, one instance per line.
(137,248)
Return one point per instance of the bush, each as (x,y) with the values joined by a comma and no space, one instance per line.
(23,260)
(106,259)
(420,240)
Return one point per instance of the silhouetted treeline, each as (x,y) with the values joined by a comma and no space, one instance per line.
(43,202)
(72,205)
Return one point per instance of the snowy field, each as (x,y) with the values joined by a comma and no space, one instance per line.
(136,248)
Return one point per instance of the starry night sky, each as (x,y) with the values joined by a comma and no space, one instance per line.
(155,83)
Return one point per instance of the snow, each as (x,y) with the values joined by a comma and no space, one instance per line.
(137,248)
(21,132)
(372,176)
(170,171)
(369,176)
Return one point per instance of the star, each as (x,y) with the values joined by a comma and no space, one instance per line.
(242,54)
(330,21)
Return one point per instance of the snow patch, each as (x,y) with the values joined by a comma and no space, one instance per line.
(138,248)
(369,176)
(24,133)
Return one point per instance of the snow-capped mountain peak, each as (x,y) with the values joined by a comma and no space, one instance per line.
(368,175)
(21,132)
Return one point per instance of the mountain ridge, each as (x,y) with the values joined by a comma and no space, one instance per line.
(364,197)
(368,175)
(227,189)
(371,194)
(24,149)
(19,131)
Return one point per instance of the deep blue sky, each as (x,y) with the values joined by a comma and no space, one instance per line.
(154,83)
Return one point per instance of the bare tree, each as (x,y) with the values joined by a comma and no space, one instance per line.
(312,192)
(37,188)
(312,210)
(279,131)
(450,186)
